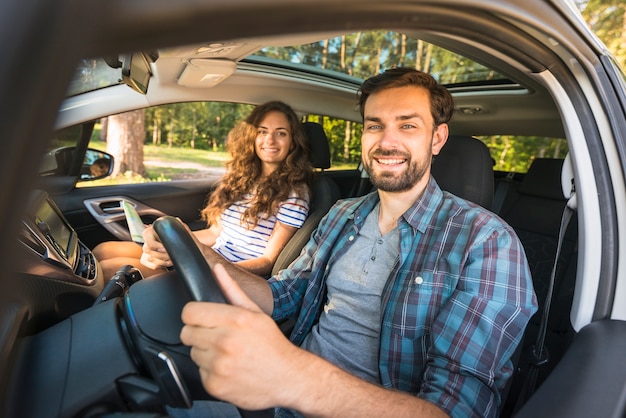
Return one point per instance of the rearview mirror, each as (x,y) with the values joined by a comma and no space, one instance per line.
(136,70)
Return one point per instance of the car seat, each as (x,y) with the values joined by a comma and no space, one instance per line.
(464,168)
(324,193)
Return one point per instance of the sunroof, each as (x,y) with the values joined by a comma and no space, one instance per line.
(362,54)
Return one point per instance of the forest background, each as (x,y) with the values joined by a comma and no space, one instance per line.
(196,132)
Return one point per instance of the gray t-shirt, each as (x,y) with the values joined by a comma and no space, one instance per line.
(348,330)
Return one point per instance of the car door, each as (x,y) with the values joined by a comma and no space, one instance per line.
(93,206)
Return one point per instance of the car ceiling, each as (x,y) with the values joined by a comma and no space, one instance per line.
(481,111)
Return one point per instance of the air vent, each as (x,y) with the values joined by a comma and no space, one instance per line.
(86,266)
(31,241)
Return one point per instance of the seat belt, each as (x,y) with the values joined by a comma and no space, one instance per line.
(538,351)
(501,192)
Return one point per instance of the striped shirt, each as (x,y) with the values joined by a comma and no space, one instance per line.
(236,242)
(453,310)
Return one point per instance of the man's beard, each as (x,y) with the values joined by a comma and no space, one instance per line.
(391,181)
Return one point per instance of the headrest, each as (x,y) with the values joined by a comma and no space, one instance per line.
(543,179)
(464,167)
(318,143)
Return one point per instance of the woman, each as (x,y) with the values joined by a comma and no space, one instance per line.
(269,173)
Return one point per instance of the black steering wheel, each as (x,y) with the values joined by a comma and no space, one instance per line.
(188,260)
(195,274)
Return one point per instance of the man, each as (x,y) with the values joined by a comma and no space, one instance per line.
(409,301)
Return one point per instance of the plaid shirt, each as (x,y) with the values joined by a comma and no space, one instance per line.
(455,305)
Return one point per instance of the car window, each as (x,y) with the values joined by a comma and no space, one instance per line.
(171,142)
(186,141)
(514,154)
(344,138)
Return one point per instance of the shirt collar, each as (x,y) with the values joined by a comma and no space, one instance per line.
(420,213)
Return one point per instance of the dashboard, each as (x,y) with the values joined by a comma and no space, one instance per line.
(58,273)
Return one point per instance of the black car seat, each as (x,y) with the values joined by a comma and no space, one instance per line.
(324,193)
(464,168)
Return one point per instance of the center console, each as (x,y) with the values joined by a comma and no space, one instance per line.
(56,275)
(49,237)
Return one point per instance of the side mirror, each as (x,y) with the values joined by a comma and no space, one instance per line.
(98,163)
(61,162)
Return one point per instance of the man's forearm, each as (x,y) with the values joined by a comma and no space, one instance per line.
(349,396)
(255,286)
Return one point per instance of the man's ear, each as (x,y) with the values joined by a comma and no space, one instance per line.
(440,137)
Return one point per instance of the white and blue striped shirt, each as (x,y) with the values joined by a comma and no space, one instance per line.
(236,242)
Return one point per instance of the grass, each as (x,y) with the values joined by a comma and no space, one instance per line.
(174,154)
(204,157)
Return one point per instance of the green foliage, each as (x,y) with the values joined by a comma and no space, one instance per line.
(345,150)
(515,153)
(197,125)
(363,54)
(607,19)
(126,178)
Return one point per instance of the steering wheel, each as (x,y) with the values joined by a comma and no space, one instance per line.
(195,274)
(188,260)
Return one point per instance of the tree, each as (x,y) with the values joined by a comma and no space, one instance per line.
(607,18)
(125,137)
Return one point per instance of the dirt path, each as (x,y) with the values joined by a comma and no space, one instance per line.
(199,170)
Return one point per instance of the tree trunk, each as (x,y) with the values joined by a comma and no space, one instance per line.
(156,131)
(342,53)
(346,141)
(125,137)
(170,134)
(103,132)
(194,129)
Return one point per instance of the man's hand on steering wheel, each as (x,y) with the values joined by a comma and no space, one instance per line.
(243,356)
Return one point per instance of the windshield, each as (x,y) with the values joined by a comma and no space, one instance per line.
(92,74)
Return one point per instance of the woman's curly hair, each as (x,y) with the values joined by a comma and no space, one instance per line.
(244,169)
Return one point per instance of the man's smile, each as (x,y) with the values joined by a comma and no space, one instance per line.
(389,161)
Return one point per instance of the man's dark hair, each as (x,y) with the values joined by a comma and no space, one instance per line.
(441,102)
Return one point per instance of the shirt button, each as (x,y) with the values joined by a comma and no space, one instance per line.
(419,280)
(351,238)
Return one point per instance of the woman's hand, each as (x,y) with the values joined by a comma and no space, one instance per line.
(154,254)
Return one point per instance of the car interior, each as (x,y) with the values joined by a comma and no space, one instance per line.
(533,204)
(65,317)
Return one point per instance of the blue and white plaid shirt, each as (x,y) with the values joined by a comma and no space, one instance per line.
(455,305)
